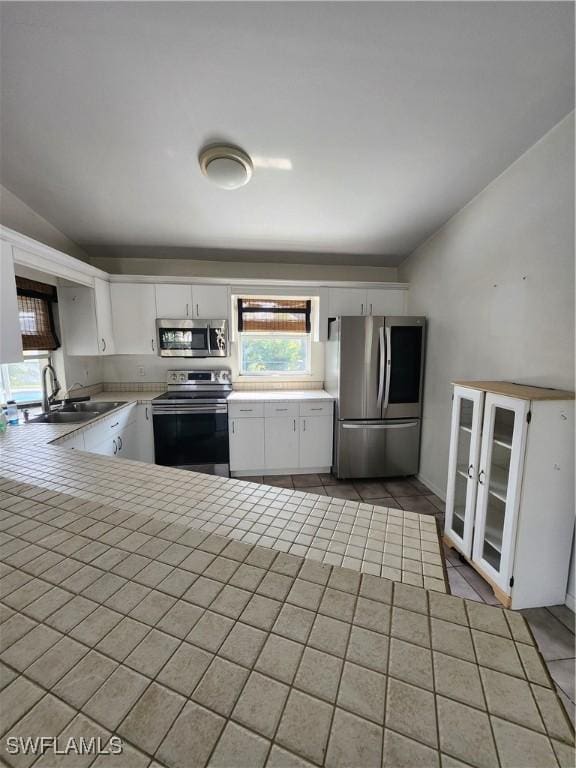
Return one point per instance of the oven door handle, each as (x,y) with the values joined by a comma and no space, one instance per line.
(188,411)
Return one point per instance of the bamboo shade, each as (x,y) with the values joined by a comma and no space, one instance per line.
(35,315)
(274,315)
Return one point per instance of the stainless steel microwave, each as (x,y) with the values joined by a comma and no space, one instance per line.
(192,338)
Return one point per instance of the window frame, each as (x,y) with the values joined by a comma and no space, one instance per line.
(247,335)
(5,389)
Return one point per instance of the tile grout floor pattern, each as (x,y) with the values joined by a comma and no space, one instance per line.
(198,649)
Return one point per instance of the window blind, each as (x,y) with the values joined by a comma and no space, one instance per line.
(35,315)
(274,315)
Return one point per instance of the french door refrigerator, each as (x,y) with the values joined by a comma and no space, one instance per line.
(374,368)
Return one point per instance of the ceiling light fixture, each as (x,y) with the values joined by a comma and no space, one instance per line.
(227,167)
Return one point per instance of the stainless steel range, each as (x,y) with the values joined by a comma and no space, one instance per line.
(191,421)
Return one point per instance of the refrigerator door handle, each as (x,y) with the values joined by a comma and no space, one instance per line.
(403,425)
(382,365)
(388,368)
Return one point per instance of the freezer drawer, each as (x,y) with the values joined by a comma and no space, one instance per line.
(377,448)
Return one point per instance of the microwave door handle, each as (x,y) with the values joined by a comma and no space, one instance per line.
(382,358)
(388,368)
(208,347)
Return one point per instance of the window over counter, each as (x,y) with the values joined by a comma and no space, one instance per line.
(22,381)
(274,336)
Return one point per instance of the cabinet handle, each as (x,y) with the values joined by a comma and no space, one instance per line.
(147,417)
(103,345)
(304,425)
(361,309)
(480,477)
(119,443)
(279,410)
(315,409)
(233,430)
(370,307)
(294,425)
(197,311)
(471,471)
(246,410)
(152,340)
(187,310)
(115,447)
(114,425)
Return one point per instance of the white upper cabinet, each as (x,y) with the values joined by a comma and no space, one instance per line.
(134,317)
(173,300)
(384,301)
(211,302)
(86,318)
(10,336)
(103,305)
(347,301)
(372,301)
(205,302)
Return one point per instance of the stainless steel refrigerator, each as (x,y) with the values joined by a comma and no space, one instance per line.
(374,368)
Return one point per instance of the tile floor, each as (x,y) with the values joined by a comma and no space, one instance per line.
(197,649)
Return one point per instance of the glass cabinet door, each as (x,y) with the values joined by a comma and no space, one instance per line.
(463,467)
(499,486)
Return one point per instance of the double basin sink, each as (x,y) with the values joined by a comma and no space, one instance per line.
(73,413)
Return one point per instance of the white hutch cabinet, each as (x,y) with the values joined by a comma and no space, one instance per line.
(510,491)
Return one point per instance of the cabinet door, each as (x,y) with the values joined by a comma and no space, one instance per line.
(315,442)
(246,444)
(127,442)
(281,442)
(499,481)
(347,302)
(133,312)
(145,434)
(77,310)
(463,467)
(10,335)
(104,325)
(210,301)
(381,301)
(173,301)
(107,447)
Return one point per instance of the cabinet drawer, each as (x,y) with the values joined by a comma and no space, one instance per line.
(281,409)
(109,426)
(315,408)
(245,410)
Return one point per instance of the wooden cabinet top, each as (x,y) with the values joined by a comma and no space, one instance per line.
(522,391)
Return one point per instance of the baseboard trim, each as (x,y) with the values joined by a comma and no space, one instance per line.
(570,602)
(288,471)
(441,493)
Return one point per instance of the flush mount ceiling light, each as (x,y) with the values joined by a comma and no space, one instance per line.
(227,167)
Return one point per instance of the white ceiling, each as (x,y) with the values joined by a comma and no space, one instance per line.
(393,116)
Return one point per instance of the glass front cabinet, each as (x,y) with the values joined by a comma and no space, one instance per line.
(508,498)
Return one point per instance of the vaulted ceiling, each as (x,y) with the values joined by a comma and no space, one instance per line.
(388,117)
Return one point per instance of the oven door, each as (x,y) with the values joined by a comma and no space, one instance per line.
(192,437)
(183,338)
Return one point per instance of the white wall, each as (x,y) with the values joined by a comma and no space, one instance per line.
(497,286)
(14,213)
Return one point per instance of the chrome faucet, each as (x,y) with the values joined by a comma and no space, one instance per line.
(47,399)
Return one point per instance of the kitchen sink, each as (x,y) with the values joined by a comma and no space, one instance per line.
(88,406)
(60,417)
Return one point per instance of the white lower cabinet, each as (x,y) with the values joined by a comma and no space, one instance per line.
(145,433)
(509,500)
(281,441)
(316,441)
(246,443)
(276,437)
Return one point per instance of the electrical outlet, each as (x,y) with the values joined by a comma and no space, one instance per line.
(141,371)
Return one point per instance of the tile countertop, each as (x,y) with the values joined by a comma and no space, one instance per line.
(197,650)
(392,543)
(279,394)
